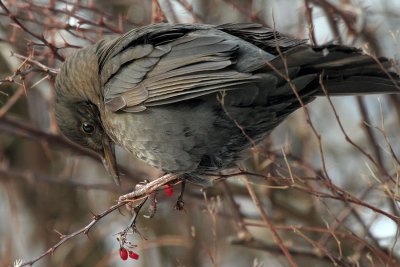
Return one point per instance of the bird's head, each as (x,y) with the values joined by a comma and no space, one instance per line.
(78,99)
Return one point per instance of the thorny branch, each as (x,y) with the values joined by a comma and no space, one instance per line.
(64,238)
(138,194)
(41,38)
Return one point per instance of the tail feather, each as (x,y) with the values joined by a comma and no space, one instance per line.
(345,70)
(359,85)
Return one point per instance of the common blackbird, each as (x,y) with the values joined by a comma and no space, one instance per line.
(191,98)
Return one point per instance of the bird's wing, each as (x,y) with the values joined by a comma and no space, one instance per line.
(163,64)
(265,38)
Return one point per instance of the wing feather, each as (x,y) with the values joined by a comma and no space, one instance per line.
(187,67)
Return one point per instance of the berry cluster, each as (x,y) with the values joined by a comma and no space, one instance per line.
(124,253)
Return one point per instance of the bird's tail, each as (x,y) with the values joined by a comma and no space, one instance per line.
(344,70)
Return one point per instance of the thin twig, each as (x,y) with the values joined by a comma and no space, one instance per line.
(268,223)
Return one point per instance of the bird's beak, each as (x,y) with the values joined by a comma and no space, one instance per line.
(109,159)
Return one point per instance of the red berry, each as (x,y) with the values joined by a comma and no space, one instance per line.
(169,191)
(133,255)
(123,253)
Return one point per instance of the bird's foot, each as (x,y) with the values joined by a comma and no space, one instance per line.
(151,197)
(179,203)
(153,205)
(149,190)
(146,189)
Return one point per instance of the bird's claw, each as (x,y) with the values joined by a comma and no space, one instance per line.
(153,205)
(179,204)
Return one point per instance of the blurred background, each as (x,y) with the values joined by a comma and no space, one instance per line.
(331,195)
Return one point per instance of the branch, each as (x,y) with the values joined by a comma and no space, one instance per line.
(65,238)
(268,223)
(14,18)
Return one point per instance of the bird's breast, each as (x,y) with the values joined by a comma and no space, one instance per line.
(168,139)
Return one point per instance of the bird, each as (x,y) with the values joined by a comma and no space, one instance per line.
(191,99)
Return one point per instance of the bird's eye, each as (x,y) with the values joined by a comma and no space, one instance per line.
(87,128)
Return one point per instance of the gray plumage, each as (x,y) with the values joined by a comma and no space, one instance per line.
(154,91)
